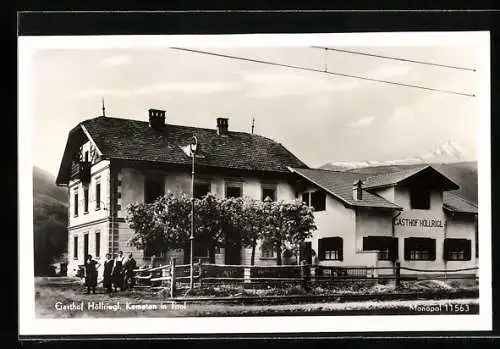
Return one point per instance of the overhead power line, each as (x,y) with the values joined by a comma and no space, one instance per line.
(324,72)
(394,58)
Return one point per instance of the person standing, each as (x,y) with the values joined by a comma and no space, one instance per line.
(117,277)
(128,270)
(108,270)
(91,267)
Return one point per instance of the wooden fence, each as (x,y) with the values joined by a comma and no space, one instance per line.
(171,277)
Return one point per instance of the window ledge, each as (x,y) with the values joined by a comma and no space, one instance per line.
(267,258)
(86,212)
(75,216)
(97,208)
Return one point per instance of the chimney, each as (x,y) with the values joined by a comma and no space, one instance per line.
(357,190)
(222,126)
(157,119)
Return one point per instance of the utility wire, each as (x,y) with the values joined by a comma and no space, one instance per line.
(394,58)
(324,72)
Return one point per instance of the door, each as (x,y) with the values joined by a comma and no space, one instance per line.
(306,252)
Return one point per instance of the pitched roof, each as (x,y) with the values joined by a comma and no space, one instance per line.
(135,140)
(339,184)
(394,178)
(456,203)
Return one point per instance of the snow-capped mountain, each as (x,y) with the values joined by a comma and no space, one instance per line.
(447,152)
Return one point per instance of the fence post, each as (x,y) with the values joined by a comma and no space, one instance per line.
(398,275)
(246,275)
(199,271)
(172,277)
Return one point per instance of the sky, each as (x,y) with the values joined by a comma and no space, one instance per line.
(319,117)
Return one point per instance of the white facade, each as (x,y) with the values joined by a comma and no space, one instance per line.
(352,224)
(130,189)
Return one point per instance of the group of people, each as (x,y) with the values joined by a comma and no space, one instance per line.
(118,273)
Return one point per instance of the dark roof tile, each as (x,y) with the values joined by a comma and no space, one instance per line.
(135,140)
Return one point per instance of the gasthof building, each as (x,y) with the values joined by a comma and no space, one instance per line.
(410,216)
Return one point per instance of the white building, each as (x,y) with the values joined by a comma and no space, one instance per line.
(410,216)
(111,162)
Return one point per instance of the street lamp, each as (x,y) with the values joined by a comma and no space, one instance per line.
(193,147)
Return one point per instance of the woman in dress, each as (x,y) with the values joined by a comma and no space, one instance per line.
(91,267)
(108,269)
(117,276)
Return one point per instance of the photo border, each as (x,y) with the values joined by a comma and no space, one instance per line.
(266,325)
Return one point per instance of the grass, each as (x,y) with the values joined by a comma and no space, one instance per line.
(67,291)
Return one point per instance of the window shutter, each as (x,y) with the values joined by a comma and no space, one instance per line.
(432,248)
(467,254)
(408,243)
(446,249)
(340,243)
(394,249)
(321,250)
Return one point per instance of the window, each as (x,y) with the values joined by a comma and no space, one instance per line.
(457,250)
(85,245)
(306,198)
(87,156)
(316,199)
(97,244)
(387,247)
(233,190)
(85,200)
(330,249)
(75,204)
(201,189)
(75,247)
(98,196)
(420,249)
(420,198)
(267,251)
(153,189)
(268,191)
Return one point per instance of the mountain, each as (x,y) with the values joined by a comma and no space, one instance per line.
(444,153)
(50,217)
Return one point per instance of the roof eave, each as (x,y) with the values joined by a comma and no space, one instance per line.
(453,210)
(398,208)
(345,202)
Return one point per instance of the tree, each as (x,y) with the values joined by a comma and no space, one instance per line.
(252,224)
(166,223)
(287,224)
